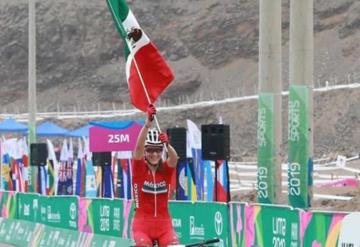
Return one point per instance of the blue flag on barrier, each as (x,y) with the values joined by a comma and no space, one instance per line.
(181,190)
(42,180)
(69,169)
(208,181)
(198,172)
(5,172)
(108,182)
(80,171)
(61,188)
(191,181)
(78,177)
(69,178)
(193,146)
(119,180)
(124,178)
(62,172)
(90,180)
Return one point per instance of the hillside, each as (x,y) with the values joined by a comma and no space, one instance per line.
(211,45)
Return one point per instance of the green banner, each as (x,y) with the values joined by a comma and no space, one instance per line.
(321,228)
(194,222)
(59,211)
(28,206)
(279,226)
(57,237)
(110,217)
(25,233)
(237,224)
(265,151)
(247,225)
(298,137)
(264,225)
(109,241)
(16,232)
(8,205)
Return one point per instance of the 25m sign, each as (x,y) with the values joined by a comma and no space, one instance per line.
(107,139)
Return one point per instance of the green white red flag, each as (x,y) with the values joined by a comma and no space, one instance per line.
(147,72)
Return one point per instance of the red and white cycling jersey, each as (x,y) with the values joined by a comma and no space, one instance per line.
(150,190)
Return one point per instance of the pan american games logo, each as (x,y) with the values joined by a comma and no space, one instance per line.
(218,223)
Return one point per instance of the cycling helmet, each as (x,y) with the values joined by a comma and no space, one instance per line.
(152,138)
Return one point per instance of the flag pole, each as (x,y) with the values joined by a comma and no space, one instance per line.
(32,92)
(143,85)
(136,65)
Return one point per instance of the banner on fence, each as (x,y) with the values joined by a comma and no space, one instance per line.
(28,206)
(255,225)
(298,137)
(26,233)
(108,241)
(265,152)
(237,224)
(59,211)
(16,232)
(320,228)
(106,216)
(246,226)
(8,204)
(57,237)
(277,225)
(194,222)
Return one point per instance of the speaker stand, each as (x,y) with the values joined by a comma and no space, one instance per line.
(102,182)
(216,180)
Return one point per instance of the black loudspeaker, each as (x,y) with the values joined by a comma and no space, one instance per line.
(177,137)
(101,158)
(38,154)
(215,141)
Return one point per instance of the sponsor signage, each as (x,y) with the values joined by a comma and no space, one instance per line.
(60,211)
(200,221)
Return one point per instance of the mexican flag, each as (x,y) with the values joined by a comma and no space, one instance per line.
(146,70)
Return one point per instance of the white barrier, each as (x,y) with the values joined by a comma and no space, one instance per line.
(240,170)
(130,112)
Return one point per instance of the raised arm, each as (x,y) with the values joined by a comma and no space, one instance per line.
(138,153)
(172,158)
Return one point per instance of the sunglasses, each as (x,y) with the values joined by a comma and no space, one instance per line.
(153,150)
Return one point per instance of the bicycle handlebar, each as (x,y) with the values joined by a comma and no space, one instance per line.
(200,244)
(211,241)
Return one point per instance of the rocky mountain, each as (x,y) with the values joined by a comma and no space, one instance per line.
(211,45)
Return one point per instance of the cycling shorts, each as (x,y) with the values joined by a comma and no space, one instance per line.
(146,231)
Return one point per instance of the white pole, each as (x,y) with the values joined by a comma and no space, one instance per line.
(32,89)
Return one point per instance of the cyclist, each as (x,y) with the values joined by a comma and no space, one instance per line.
(151,177)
